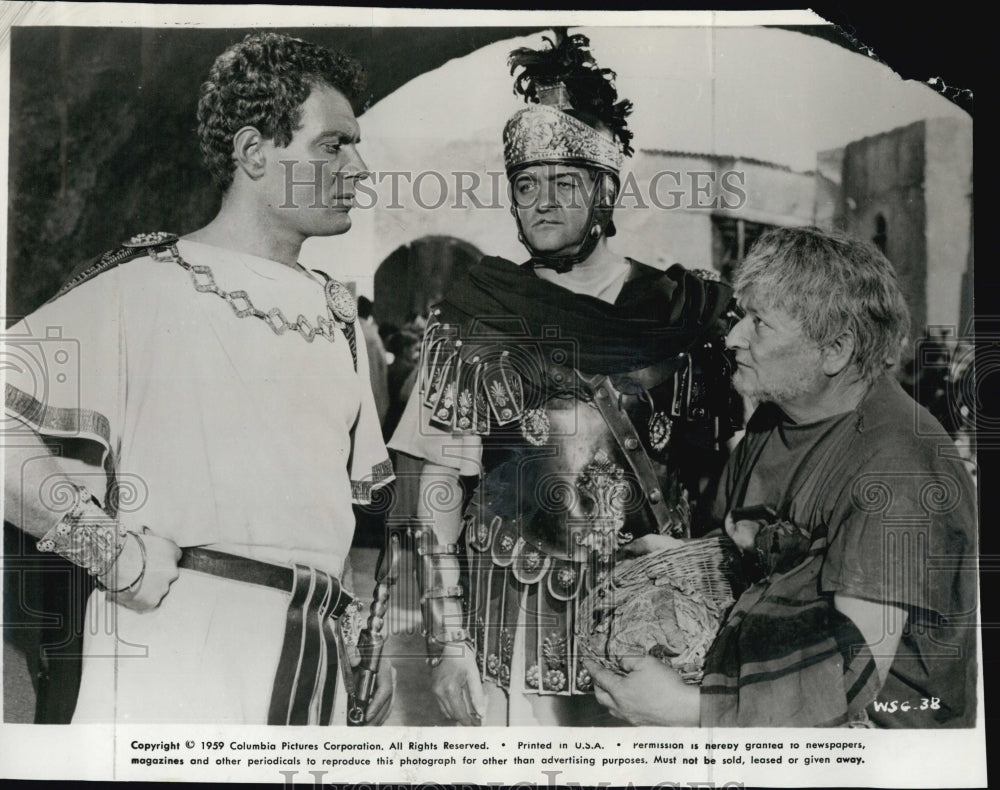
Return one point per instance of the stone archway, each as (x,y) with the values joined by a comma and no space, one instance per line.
(415,276)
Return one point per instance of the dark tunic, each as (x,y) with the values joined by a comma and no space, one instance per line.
(872,504)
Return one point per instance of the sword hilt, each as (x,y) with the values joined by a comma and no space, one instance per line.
(372,638)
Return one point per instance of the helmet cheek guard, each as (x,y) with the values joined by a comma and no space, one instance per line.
(599,223)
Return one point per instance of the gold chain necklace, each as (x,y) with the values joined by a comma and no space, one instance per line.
(339,301)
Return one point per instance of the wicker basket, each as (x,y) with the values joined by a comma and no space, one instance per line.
(670,604)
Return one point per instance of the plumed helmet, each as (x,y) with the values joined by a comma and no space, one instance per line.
(573,115)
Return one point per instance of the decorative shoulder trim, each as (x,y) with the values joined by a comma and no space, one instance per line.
(361,490)
(157,238)
(708,275)
(57,420)
(130,249)
(470,385)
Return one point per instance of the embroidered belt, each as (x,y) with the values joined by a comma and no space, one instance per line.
(306,677)
(244,569)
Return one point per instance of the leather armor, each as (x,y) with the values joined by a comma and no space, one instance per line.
(582,462)
(575,466)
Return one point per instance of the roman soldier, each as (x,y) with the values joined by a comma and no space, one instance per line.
(583,393)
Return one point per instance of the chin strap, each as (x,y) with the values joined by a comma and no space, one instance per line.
(598,224)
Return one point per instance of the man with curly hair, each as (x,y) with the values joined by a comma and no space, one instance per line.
(203,471)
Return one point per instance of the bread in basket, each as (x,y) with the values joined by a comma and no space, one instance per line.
(669,604)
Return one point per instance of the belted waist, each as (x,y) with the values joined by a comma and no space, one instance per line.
(245,569)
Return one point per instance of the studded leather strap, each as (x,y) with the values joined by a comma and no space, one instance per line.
(627,438)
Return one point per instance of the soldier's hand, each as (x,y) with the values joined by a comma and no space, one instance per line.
(157,567)
(650,544)
(743,532)
(457,686)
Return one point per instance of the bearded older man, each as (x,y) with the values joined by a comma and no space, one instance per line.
(847,498)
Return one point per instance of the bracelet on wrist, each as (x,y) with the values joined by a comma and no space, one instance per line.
(437,644)
(85,535)
(134,585)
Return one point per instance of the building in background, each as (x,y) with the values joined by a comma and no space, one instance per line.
(416,275)
(909,190)
(706,210)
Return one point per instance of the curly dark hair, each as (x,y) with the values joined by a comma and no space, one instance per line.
(263,82)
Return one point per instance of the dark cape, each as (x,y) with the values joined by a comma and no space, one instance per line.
(657,315)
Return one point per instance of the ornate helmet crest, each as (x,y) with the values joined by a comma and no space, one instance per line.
(574,114)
